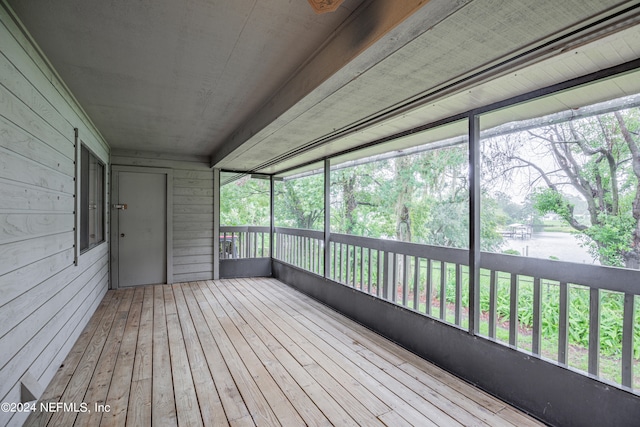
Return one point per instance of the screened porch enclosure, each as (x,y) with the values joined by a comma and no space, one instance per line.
(241,212)
(500,319)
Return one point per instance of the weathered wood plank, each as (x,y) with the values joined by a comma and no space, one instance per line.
(163,405)
(103,375)
(430,396)
(20,197)
(79,382)
(190,174)
(194,192)
(65,372)
(351,394)
(53,355)
(19,113)
(24,56)
(192,200)
(185,243)
(15,255)
(204,218)
(120,385)
(193,183)
(139,407)
(202,267)
(230,397)
(20,337)
(187,408)
(20,142)
(254,352)
(305,407)
(192,209)
(192,259)
(192,277)
(192,251)
(21,169)
(20,281)
(16,227)
(19,85)
(258,406)
(210,406)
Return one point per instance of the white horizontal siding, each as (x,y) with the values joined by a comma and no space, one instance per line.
(192,211)
(45,300)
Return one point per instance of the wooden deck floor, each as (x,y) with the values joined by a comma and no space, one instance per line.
(250,352)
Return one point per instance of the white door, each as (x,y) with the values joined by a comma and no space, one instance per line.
(142,228)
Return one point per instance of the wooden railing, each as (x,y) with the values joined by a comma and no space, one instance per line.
(301,248)
(244,242)
(434,281)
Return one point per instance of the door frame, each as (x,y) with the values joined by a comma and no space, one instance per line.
(114,228)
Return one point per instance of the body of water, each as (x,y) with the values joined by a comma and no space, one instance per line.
(564,246)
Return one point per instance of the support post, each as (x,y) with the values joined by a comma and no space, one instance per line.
(216,224)
(272,222)
(327,217)
(474,224)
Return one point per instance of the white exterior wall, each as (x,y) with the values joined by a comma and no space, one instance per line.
(45,299)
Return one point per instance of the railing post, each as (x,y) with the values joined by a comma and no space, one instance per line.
(627,340)
(563,324)
(474,224)
(594,331)
(327,217)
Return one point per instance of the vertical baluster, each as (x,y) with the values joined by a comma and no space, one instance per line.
(493,295)
(369,255)
(254,237)
(443,290)
(563,321)
(354,266)
(513,311)
(308,255)
(394,283)
(380,285)
(405,280)
(594,330)
(537,318)
(335,265)
(361,268)
(428,289)
(385,274)
(347,279)
(340,269)
(247,244)
(458,313)
(224,245)
(318,254)
(627,340)
(416,283)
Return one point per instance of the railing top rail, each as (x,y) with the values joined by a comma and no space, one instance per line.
(593,276)
(313,234)
(440,253)
(243,229)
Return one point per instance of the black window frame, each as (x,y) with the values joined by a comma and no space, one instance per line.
(92,183)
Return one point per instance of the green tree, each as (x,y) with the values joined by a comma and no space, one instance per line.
(595,157)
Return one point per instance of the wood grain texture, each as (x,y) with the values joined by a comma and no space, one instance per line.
(248,352)
(45,300)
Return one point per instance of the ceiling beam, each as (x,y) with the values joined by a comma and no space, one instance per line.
(339,61)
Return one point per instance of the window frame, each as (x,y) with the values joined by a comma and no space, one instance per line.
(84,157)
